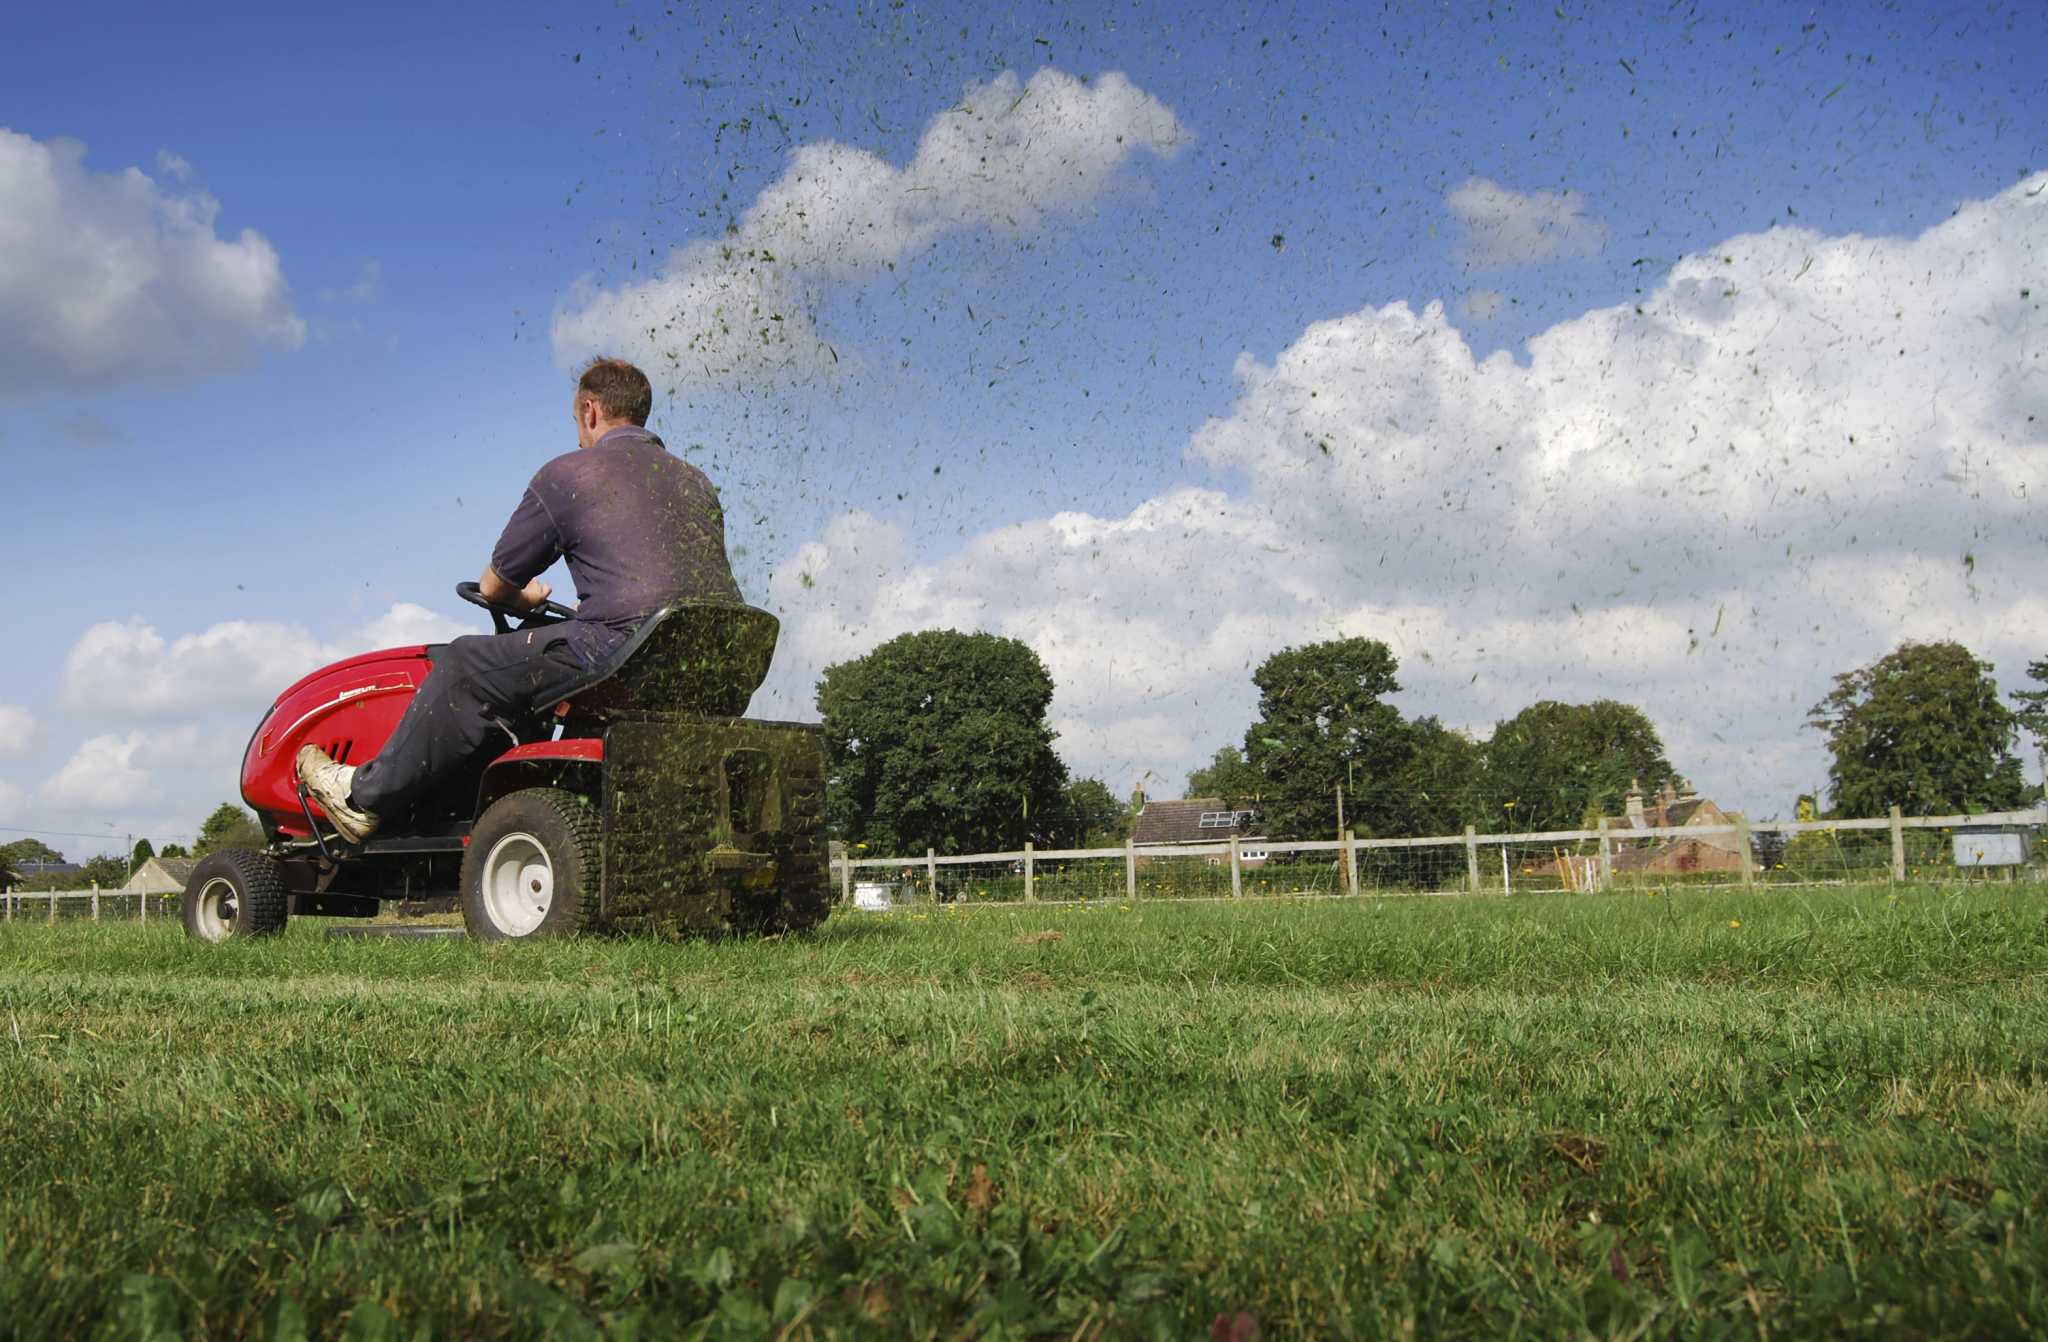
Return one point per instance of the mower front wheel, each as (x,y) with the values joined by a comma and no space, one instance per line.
(235,894)
(532,867)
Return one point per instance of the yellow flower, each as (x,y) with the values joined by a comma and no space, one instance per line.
(1734,922)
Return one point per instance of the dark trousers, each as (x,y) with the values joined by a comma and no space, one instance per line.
(476,681)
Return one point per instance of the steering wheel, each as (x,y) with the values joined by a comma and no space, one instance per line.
(547,612)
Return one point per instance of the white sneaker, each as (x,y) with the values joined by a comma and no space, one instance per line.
(329,783)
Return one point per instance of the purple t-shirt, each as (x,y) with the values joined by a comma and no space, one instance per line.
(640,527)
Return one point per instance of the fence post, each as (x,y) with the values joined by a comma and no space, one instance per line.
(1898,847)
(1236,871)
(1748,851)
(95,901)
(1472,859)
(846,877)
(143,900)
(1351,860)
(1606,856)
(53,906)
(1030,886)
(1131,868)
(931,872)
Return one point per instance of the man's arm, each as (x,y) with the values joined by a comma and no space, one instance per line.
(529,544)
(501,593)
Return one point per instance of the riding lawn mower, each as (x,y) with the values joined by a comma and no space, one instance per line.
(642,802)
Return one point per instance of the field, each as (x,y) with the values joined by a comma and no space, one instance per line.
(1777,1113)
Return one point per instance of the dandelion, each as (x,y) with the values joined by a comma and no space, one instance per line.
(1734,922)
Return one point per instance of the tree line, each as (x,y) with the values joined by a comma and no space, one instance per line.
(229,826)
(939,739)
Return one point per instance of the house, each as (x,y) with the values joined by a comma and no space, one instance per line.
(1675,808)
(1198,820)
(160,876)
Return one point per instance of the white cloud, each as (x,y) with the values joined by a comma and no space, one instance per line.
(405,624)
(17,730)
(1505,227)
(1006,157)
(10,796)
(109,278)
(1482,304)
(102,773)
(1797,452)
(173,165)
(112,770)
(368,284)
(128,668)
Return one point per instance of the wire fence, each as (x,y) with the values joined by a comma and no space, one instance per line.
(1997,846)
(86,906)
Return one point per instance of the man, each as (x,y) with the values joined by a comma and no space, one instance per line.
(640,528)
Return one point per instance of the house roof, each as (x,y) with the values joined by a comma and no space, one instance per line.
(1181,821)
(161,875)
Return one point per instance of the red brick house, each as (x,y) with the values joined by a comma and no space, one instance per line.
(1679,808)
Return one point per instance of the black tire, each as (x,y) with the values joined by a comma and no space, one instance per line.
(233,895)
(532,867)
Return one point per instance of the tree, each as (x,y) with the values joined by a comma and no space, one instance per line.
(143,853)
(1229,776)
(2032,713)
(1438,788)
(228,827)
(1923,729)
(108,871)
(1553,764)
(1096,817)
(174,850)
(1323,721)
(939,740)
(29,850)
(10,876)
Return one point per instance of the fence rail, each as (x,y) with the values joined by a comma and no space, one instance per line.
(1893,848)
(86,905)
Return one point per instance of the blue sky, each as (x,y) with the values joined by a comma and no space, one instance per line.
(439,186)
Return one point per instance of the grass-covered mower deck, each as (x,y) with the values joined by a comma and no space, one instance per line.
(642,803)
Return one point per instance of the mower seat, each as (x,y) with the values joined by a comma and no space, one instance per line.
(703,658)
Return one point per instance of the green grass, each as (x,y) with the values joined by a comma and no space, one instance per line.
(1607,1116)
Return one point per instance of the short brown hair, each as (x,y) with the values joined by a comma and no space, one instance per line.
(620,390)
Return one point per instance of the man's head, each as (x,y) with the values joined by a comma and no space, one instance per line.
(611,393)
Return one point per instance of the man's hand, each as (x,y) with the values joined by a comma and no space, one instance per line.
(498,592)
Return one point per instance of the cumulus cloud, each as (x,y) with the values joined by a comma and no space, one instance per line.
(17,730)
(1007,157)
(10,796)
(109,278)
(127,667)
(1797,452)
(1505,227)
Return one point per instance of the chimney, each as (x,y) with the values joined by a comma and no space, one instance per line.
(1635,803)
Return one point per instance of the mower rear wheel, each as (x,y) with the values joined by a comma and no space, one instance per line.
(532,867)
(233,895)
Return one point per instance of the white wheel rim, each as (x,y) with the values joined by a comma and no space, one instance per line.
(216,908)
(519,884)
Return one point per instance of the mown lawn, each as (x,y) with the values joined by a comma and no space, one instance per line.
(1772,1114)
